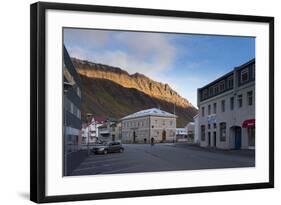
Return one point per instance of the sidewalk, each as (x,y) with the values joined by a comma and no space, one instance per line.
(242,152)
(74,159)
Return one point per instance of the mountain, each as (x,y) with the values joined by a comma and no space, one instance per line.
(112,92)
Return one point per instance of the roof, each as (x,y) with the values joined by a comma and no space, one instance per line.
(100,119)
(228,74)
(180,129)
(149,112)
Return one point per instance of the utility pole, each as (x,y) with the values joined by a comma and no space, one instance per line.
(176,127)
(89,119)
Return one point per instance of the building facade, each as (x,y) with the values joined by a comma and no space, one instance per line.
(181,135)
(146,126)
(115,131)
(90,131)
(227,110)
(72,104)
(196,129)
(110,131)
(190,129)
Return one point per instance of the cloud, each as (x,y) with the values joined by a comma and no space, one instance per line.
(85,38)
(146,53)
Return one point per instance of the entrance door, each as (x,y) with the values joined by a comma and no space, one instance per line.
(251,137)
(237,137)
(215,139)
(134,137)
(209,139)
(163,135)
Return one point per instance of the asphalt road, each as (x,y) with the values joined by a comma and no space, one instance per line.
(163,157)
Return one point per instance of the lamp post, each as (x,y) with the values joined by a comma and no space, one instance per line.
(89,119)
(175,135)
(66,87)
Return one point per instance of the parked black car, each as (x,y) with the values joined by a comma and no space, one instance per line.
(108,147)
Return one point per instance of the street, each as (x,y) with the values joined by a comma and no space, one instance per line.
(163,157)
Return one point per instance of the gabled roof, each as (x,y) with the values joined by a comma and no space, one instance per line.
(149,112)
(100,119)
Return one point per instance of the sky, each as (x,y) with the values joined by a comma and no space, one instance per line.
(184,61)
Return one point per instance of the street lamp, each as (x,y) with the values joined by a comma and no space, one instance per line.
(89,119)
(66,87)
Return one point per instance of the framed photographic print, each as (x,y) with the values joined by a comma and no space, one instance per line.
(129,102)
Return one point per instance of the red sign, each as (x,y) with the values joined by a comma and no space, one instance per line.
(249,123)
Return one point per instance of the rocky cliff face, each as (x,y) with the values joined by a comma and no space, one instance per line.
(127,93)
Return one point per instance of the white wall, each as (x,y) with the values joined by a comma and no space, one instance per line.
(14,81)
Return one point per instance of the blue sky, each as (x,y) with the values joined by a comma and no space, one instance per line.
(184,61)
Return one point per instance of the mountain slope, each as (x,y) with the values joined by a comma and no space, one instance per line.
(112,92)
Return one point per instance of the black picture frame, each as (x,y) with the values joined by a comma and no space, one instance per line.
(38,101)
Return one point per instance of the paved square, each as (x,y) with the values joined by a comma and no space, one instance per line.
(164,157)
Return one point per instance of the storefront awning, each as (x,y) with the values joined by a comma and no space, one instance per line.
(249,123)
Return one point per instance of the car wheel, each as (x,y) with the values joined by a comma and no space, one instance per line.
(105,151)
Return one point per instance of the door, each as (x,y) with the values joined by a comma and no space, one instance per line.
(215,139)
(238,138)
(163,135)
(134,137)
(251,137)
(209,139)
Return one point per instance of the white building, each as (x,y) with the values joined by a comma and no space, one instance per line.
(90,130)
(181,135)
(149,125)
(196,129)
(227,110)
(190,129)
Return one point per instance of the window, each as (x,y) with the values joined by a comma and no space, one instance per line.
(253,71)
(78,92)
(222,131)
(223,105)
(222,86)
(205,93)
(215,108)
(230,82)
(240,101)
(215,125)
(171,122)
(203,111)
(211,91)
(209,109)
(231,103)
(71,107)
(209,126)
(216,87)
(244,75)
(78,113)
(203,132)
(250,97)
(67,104)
